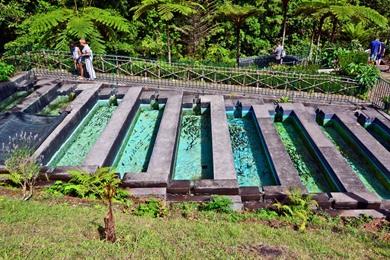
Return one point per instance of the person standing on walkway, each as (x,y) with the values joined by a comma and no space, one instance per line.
(375,46)
(88,58)
(76,56)
(381,53)
(279,53)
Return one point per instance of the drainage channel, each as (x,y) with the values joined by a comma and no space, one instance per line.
(373,178)
(304,156)
(13,100)
(194,159)
(379,133)
(250,157)
(77,146)
(136,149)
(57,105)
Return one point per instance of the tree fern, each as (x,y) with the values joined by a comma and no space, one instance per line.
(61,26)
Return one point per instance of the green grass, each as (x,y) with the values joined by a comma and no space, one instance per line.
(47,227)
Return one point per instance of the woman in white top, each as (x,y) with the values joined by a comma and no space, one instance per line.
(76,55)
(88,58)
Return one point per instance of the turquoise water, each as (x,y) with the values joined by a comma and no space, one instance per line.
(250,160)
(77,146)
(379,134)
(373,179)
(303,157)
(136,148)
(194,152)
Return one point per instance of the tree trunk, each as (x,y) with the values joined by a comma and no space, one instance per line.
(238,45)
(169,45)
(321,23)
(334,28)
(285,10)
(312,42)
(109,224)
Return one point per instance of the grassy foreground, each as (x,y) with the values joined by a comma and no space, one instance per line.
(67,229)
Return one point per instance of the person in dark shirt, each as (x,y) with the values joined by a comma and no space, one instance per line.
(375,46)
(381,53)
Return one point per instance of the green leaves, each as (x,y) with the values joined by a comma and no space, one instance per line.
(165,8)
(6,71)
(89,185)
(63,25)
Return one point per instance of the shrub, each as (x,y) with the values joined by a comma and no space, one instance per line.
(6,71)
(357,57)
(219,204)
(86,185)
(329,57)
(302,69)
(152,208)
(21,164)
(299,207)
(266,214)
(366,75)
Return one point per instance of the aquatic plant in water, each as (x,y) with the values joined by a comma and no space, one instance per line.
(191,127)
(309,172)
(76,148)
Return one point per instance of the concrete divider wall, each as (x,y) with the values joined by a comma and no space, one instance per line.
(79,108)
(104,150)
(375,151)
(40,97)
(162,159)
(223,162)
(286,173)
(329,155)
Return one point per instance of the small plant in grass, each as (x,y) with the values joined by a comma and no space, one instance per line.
(219,204)
(152,208)
(266,214)
(22,166)
(86,185)
(299,207)
(110,189)
(188,209)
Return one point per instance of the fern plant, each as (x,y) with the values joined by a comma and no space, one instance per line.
(55,29)
(299,207)
(238,14)
(167,9)
(86,185)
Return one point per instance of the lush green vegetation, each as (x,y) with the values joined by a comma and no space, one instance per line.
(76,226)
(213,31)
(6,71)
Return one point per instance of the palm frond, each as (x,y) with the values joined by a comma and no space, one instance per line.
(107,19)
(46,22)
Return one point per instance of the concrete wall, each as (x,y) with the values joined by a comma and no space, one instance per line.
(103,151)
(78,109)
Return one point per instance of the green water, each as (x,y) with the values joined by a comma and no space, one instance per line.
(379,134)
(311,173)
(372,178)
(56,106)
(136,148)
(250,160)
(13,100)
(77,146)
(194,152)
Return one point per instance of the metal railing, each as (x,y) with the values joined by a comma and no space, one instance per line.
(381,90)
(124,69)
